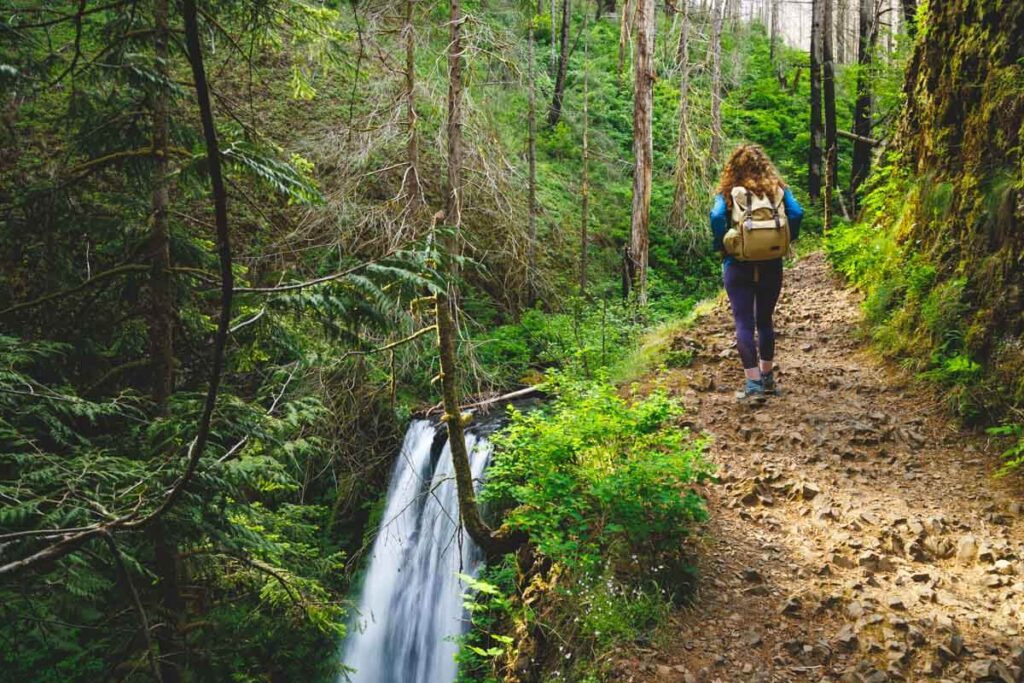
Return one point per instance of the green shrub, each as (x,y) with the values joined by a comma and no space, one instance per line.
(1014,455)
(594,472)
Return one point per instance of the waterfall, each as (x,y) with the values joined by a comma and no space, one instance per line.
(410,608)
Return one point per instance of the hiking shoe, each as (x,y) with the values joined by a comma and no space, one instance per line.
(768,383)
(753,392)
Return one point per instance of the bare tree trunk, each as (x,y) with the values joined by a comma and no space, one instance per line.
(774,31)
(554,33)
(625,32)
(718,9)
(829,85)
(683,142)
(864,106)
(642,145)
(555,112)
(531,154)
(814,170)
(585,184)
(842,20)
(453,204)
(414,189)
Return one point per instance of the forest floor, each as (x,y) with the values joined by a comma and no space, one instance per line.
(856,533)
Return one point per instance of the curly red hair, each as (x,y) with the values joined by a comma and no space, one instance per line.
(750,167)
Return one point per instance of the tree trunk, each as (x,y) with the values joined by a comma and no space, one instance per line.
(625,32)
(456,422)
(167,565)
(161,324)
(555,112)
(414,190)
(585,184)
(774,31)
(863,108)
(161,349)
(554,33)
(842,19)
(683,142)
(814,170)
(604,7)
(642,145)
(531,155)
(829,86)
(453,203)
(716,81)
(910,16)
(445,311)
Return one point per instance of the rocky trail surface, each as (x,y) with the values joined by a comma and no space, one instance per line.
(857,533)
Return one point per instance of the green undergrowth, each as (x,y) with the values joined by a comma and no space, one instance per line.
(912,314)
(602,484)
(923,314)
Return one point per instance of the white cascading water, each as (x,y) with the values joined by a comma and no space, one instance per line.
(410,608)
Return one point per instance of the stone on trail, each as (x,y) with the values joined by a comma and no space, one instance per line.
(956,644)
(967,549)
(751,575)
(991,671)
(896,603)
(792,606)
(847,638)
(1004,567)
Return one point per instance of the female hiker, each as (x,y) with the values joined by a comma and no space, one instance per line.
(754,219)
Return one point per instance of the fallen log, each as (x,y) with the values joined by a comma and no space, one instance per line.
(483,405)
(859,138)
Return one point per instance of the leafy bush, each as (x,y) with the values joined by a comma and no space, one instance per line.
(1014,455)
(603,486)
(595,473)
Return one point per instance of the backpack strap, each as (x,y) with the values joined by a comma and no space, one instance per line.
(775,212)
(748,222)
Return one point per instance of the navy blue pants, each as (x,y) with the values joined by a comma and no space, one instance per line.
(753,289)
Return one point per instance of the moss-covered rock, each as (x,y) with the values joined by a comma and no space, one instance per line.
(939,249)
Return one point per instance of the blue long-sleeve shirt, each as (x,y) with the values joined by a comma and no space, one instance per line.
(720,220)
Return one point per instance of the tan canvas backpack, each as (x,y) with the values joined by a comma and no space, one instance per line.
(760,230)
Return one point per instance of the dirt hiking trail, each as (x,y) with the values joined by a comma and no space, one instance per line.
(856,532)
